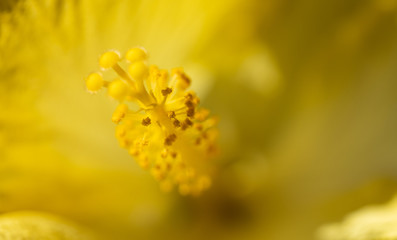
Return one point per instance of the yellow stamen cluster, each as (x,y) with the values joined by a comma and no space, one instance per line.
(167,134)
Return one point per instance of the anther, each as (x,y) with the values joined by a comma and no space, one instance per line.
(157,173)
(169,140)
(199,126)
(188,122)
(190,112)
(183,81)
(189,96)
(211,149)
(146,121)
(185,124)
(166,91)
(176,123)
(172,114)
(189,104)
(134,152)
(174,154)
(201,114)
(119,113)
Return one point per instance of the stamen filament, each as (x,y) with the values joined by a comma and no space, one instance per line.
(124,76)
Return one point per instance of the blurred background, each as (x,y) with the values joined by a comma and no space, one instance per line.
(305,92)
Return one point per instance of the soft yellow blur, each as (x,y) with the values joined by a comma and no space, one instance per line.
(305,92)
(375,222)
(36,226)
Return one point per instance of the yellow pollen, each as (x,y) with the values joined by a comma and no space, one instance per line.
(169,135)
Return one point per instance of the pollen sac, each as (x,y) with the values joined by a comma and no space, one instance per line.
(170,139)
(146,121)
(119,113)
(166,91)
(169,135)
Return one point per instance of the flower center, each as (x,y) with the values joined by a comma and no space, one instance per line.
(169,135)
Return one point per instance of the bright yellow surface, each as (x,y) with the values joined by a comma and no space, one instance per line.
(305,94)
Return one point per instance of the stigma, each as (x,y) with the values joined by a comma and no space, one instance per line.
(159,120)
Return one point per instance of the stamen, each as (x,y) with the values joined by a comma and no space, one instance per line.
(174,154)
(146,121)
(188,122)
(123,75)
(172,114)
(166,91)
(168,150)
(176,123)
(169,140)
(190,112)
(199,126)
(119,113)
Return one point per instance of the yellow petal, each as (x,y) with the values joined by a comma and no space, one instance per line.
(40,226)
